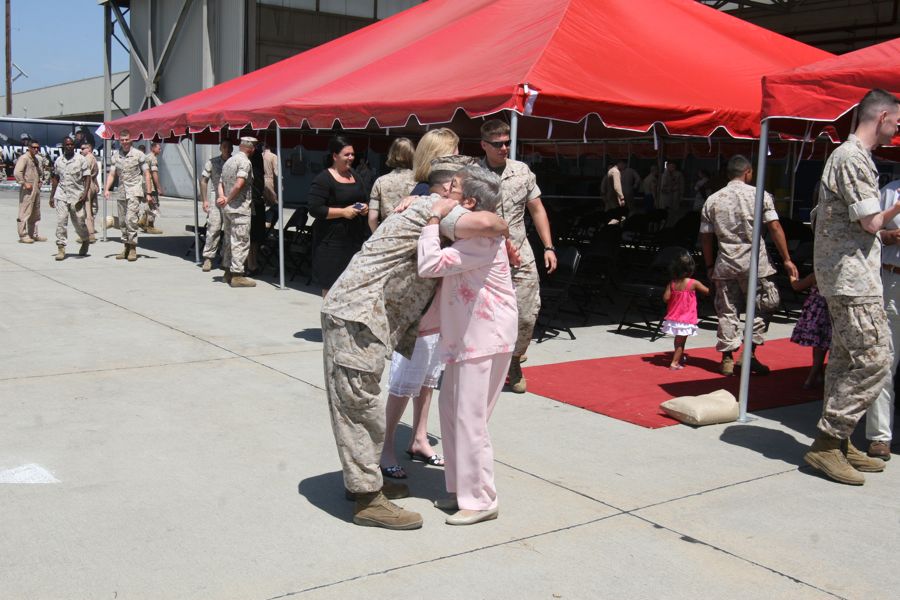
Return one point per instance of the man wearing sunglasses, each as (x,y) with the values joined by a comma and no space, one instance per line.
(130,165)
(28,173)
(519,189)
(71,184)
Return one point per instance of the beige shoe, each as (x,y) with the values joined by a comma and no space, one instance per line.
(391,491)
(517,381)
(84,248)
(374,510)
(60,253)
(859,461)
(825,455)
(26,240)
(207,265)
(142,223)
(727,366)
(152,229)
(132,252)
(39,238)
(239,281)
(470,517)
(124,253)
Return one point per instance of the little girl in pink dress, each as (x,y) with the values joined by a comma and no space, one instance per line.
(681,297)
(478,318)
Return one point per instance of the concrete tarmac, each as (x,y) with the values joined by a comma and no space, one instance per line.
(181,431)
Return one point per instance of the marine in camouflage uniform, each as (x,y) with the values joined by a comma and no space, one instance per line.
(130,165)
(87,150)
(29,173)
(236,211)
(727,216)
(150,207)
(388,190)
(848,273)
(212,173)
(372,309)
(519,189)
(69,193)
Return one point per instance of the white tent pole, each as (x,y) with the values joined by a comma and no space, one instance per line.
(752,279)
(107,146)
(280,208)
(196,204)
(513,133)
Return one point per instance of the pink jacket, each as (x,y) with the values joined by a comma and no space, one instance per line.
(476,302)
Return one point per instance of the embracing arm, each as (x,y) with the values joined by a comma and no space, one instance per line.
(462,256)
(480,224)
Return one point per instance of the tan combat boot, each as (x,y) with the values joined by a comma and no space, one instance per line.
(727,366)
(207,265)
(124,253)
(60,252)
(825,455)
(132,252)
(859,461)
(142,223)
(374,510)
(38,238)
(84,248)
(26,240)
(239,281)
(517,381)
(151,228)
(391,491)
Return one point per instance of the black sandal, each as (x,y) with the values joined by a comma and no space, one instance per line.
(394,472)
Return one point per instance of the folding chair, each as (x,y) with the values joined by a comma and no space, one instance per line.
(555,293)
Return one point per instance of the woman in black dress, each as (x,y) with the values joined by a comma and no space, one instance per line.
(337,200)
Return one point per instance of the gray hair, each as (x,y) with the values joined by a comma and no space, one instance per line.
(481,184)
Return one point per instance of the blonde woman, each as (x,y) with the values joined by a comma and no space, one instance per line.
(390,189)
(434,144)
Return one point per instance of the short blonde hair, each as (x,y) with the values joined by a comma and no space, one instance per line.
(434,144)
(400,155)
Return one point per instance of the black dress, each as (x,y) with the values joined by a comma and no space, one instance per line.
(335,241)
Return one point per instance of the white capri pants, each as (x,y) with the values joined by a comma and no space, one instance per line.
(408,376)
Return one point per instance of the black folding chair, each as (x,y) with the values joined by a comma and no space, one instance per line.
(555,294)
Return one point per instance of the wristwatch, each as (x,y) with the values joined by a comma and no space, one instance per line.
(550,249)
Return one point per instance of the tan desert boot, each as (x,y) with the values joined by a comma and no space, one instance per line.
(152,229)
(727,366)
(239,281)
(859,461)
(825,455)
(39,238)
(207,265)
(517,381)
(60,252)
(124,253)
(26,240)
(374,510)
(132,252)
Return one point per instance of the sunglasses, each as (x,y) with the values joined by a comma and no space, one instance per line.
(498,144)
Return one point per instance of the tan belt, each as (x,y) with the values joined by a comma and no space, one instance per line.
(891,268)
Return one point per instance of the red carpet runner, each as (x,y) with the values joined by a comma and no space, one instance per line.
(631,388)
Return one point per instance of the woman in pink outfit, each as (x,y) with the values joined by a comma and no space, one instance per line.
(478,319)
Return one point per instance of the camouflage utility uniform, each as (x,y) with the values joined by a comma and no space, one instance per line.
(518,187)
(28,170)
(130,169)
(212,171)
(151,210)
(848,273)
(373,308)
(70,191)
(236,231)
(728,214)
(389,190)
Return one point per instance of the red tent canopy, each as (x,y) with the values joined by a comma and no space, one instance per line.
(826,91)
(677,62)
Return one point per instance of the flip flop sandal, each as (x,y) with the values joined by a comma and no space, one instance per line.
(394,472)
(434,460)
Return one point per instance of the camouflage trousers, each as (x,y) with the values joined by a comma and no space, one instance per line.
(730,302)
(91,209)
(859,365)
(64,210)
(29,211)
(235,241)
(213,231)
(354,361)
(128,208)
(528,298)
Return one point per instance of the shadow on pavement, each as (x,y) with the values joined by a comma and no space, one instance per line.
(326,492)
(771,443)
(310,335)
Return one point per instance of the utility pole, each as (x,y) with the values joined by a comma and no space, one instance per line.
(8,62)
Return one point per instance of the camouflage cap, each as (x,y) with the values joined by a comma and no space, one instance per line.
(451,163)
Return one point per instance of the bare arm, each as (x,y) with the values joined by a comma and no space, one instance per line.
(873,223)
(889,237)
(110,177)
(802,284)
(699,287)
(481,224)
(238,186)
(542,225)
(204,192)
(373,219)
(668,293)
(777,234)
(54,182)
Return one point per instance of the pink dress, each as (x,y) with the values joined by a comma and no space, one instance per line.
(681,316)
(478,316)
